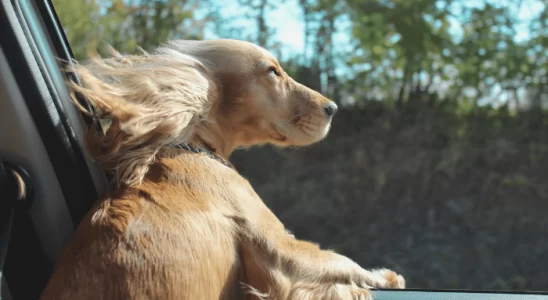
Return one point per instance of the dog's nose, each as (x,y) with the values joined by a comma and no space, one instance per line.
(331,109)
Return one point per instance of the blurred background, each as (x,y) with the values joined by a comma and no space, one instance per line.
(437,164)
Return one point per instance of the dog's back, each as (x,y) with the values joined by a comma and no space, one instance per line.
(169,238)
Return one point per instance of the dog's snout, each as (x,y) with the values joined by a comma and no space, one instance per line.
(331,109)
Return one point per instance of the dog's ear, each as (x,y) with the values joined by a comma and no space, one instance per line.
(148,102)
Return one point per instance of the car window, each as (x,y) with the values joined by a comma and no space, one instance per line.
(436,163)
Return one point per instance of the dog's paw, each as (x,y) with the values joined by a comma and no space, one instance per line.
(358,293)
(324,291)
(388,279)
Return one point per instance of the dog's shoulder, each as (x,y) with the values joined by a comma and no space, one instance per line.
(196,172)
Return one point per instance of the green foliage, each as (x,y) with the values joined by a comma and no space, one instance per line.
(127,24)
(407,45)
(79,19)
(462,51)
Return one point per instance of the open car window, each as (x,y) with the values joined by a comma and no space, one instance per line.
(41,134)
(435,165)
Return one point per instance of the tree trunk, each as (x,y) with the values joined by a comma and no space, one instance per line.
(262,34)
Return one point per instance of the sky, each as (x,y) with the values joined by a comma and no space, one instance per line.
(286,19)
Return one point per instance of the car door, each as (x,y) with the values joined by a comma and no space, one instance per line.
(41,132)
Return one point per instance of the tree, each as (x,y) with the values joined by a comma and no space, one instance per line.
(79,20)
(319,18)
(257,11)
(126,25)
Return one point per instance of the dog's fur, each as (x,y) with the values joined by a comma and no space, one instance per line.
(181,225)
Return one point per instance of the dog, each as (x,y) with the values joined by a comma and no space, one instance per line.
(179,221)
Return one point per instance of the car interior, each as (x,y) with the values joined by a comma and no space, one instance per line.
(47,181)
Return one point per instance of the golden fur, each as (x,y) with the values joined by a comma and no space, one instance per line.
(181,225)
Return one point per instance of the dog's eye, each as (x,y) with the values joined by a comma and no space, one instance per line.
(274,71)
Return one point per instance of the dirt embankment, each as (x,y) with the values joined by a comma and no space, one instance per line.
(449,201)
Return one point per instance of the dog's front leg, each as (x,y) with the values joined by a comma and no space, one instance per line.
(278,266)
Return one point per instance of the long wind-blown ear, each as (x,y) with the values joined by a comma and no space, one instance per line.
(150,101)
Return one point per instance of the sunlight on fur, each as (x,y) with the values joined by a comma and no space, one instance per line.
(179,224)
(150,100)
(168,97)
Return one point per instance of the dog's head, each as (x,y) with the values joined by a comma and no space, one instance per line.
(223,94)
(258,102)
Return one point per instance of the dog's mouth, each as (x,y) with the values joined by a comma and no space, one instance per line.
(298,133)
(279,136)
